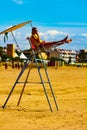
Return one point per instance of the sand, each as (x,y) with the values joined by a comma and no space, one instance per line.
(33,113)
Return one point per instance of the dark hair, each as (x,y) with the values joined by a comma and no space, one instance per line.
(34,28)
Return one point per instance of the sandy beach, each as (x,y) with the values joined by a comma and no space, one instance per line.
(33,113)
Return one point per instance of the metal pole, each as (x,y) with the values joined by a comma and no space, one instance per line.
(15,40)
(49,81)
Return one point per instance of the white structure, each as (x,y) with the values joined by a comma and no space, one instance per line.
(22,56)
(67,54)
(64,54)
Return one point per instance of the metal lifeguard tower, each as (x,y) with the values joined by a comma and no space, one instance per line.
(30,61)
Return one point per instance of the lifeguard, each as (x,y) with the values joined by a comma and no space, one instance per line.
(37,42)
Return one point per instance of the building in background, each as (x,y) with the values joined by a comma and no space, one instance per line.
(11,50)
(65,55)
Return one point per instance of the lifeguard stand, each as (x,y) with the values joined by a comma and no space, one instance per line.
(31,60)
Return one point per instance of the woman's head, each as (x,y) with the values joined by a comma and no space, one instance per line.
(34,30)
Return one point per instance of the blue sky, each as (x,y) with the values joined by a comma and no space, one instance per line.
(53,18)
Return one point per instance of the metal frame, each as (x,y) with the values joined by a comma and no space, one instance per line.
(31,60)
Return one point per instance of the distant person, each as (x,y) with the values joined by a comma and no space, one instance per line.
(6,65)
(37,42)
(13,65)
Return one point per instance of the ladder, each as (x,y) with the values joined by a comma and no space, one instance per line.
(31,61)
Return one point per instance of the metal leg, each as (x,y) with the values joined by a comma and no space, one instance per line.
(49,82)
(23,69)
(24,86)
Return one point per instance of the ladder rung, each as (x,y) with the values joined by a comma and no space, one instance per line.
(32,82)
